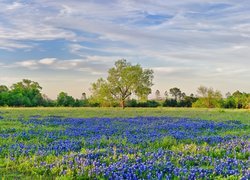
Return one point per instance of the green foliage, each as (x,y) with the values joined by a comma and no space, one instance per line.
(123,80)
(119,86)
(208,98)
(148,103)
(229,102)
(131,103)
(187,101)
(166,143)
(176,93)
(203,103)
(25,93)
(3,88)
(170,103)
(240,99)
(63,99)
(101,94)
(81,103)
(180,99)
(4,98)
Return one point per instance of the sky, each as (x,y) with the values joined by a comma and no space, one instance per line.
(66,45)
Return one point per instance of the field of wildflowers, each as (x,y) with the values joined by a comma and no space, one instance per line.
(123,148)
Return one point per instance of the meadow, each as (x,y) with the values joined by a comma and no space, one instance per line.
(131,143)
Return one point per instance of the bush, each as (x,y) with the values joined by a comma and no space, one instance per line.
(170,103)
(131,103)
(207,103)
(149,103)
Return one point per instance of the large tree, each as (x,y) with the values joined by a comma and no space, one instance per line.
(26,93)
(123,80)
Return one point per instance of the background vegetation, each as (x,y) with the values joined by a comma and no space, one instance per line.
(124,81)
(27,93)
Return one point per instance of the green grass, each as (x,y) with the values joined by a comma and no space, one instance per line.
(208,114)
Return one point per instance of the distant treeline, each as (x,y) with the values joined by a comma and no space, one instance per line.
(27,93)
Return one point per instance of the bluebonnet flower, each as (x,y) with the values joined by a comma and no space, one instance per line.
(123,148)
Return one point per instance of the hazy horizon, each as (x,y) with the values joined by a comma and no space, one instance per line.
(67,45)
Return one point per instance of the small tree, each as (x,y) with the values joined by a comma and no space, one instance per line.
(241,99)
(208,98)
(84,96)
(63,99)
(157,95)
(176,93)
(123,80)
(166,94)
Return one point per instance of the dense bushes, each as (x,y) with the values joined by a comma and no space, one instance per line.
(149,103)
(26,93)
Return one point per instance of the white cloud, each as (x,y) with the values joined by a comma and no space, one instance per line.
(10,45)
(75,48)
(90,65)
(30,64)
(107,20)
(47,61)
(27,31)
(102,59)
(14,6)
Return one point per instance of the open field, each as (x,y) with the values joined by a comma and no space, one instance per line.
(208,114)
(136,143)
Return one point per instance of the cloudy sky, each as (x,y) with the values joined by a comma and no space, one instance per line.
(65,45)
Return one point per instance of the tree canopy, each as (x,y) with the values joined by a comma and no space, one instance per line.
(123,80)
(208,98)
(176,93)
(63,99)
(25,93)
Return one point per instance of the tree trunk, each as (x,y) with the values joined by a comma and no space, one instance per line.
(122,104)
